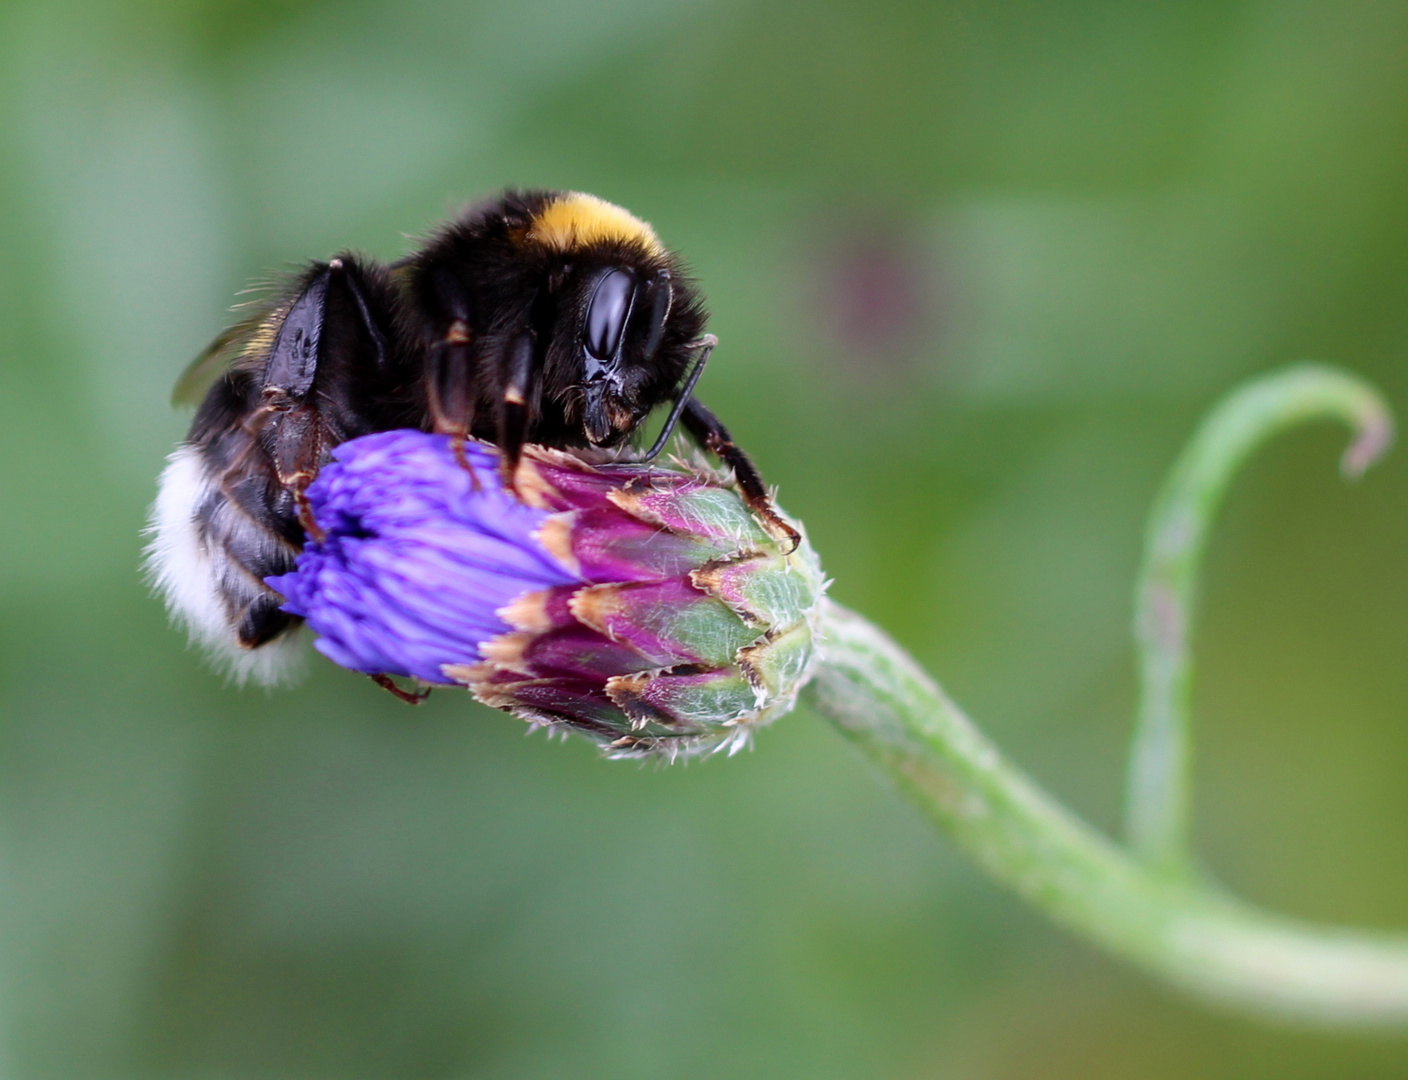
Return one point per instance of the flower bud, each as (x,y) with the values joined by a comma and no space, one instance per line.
(647,608)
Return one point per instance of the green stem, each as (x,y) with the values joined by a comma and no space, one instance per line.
(1159,818)
(1180,930)
(1144,905)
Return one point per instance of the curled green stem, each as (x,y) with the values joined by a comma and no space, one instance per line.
(1180,930)
(1159,808)
(1139,904)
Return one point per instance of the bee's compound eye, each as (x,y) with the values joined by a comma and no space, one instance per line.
(607,312)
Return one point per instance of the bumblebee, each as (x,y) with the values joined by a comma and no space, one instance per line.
(537,317)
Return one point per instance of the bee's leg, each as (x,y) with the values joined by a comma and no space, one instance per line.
(293,360)
(251,428)
(275,401)
(287,421)
(297,442)
(338,268)
(515,406)
(315,333)
(305,511)
(707,428)
(233,509)
(450,390)
(328,335)
(389,685)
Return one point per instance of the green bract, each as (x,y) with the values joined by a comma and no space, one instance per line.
(692,626)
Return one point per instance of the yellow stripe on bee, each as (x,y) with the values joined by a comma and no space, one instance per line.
(575,219)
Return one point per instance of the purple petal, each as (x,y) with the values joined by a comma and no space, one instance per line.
(416,561)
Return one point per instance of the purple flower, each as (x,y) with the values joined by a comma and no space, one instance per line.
(415,563)
(646,607)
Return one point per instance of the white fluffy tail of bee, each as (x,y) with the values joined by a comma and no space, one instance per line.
(194,576)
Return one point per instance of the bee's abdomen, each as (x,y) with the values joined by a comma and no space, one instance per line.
(215,537)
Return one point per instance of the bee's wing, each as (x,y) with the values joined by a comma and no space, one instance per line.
(234,342)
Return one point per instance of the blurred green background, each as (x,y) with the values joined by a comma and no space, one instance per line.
(977,269)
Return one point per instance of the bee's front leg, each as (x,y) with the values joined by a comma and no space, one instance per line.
(710,431)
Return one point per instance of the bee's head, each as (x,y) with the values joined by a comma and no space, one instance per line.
(626,332)
(625,319)
(619,330)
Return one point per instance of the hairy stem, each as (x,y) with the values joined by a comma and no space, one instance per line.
(1159,809)
(1178,929)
